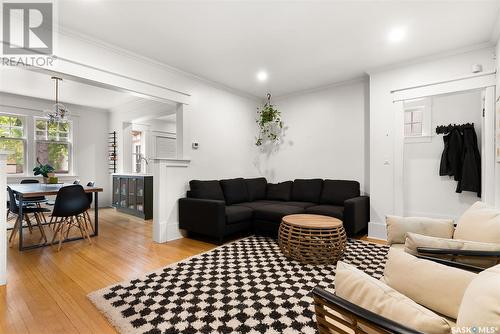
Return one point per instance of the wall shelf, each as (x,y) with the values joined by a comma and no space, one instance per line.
(112,152)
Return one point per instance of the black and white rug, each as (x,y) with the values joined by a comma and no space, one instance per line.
(247,286)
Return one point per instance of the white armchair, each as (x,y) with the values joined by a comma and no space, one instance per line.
(475,239)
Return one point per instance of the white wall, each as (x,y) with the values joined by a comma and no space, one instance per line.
(218,118)
(426,194)
(382,111)
(90,140)
(497,109)
(325,135)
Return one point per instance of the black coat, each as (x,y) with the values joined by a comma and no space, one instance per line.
(452,156)
(471,164)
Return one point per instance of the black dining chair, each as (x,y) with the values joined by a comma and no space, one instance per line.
(37,201)
(33,200)
(71,203)
(51,203)
(35,211)
(86,215)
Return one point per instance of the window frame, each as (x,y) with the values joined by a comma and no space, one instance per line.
(423,105)
(69,142)
(412,122)
(23,139)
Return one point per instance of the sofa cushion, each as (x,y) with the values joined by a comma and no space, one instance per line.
(479,223)
(279,191)
(235,190)
(300,204)
(337,191)
(371,294)
(275,212)
(433,285)
(258,204)
(481,303)
(237,213)
(327,210)
(414,240)
(256,188)
(206,190)
(307,190)
(397,227)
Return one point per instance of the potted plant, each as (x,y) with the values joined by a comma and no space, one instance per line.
(47,171)
(269,122)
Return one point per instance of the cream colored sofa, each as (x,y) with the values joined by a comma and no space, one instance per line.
(475,240)
(414,296)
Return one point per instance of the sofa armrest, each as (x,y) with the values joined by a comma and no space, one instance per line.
(464,252)
(204,216)
(453,264)
(325,301)
(356,214)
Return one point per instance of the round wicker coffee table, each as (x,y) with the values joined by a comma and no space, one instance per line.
(312,239)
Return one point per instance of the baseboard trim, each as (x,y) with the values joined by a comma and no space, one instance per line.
(165,232)
(173,231)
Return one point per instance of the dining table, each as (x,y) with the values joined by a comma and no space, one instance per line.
(29,190)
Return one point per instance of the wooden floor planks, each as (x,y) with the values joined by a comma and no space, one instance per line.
(46,290)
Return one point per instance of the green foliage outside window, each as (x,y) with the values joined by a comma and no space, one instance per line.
(12,140)
(53,144)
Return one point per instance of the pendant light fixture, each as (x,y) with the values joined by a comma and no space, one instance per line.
(58,111)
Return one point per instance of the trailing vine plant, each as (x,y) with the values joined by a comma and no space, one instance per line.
(270,123)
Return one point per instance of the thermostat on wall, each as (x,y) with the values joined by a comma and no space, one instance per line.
(195,145)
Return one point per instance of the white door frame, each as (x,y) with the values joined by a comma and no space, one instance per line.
(482,81)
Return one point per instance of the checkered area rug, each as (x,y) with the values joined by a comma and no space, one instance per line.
(247,286)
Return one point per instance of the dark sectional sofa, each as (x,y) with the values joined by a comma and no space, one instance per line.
(221,208)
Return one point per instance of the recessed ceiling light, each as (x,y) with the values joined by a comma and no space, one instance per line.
(396,34)
(262,76)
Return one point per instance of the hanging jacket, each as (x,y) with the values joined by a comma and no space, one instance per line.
(471,164)
(444,166)
(451,158)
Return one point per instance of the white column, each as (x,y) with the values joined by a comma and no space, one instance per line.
(169,184)
(160,214)
(3,220)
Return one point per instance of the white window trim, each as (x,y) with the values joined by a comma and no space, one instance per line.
(424,104)
(70,143)
(30,143)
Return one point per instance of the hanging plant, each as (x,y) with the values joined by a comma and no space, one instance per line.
(270,123)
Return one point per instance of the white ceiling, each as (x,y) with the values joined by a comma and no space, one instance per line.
(28,83)
(301,44)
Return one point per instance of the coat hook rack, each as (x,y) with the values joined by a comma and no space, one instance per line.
(443,129)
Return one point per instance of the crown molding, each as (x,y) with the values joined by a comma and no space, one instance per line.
(150,61)
(432,57)
(20,103)
(347,82)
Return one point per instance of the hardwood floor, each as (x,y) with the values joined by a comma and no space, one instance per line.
(46,290)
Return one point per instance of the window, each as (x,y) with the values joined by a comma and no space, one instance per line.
(12,138)
(53,144)
(413,122)
(418,120)
(137,151)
